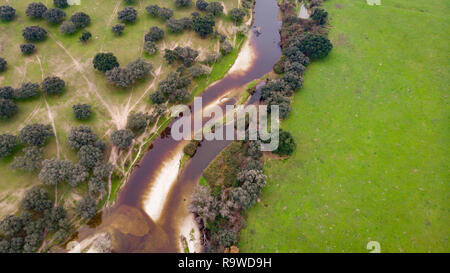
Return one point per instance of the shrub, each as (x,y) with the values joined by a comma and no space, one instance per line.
(105,61)
(122,138)
(62,4)
(286,144)
(7,13)
(80,19)
(86,208)
(82,111)
(53,85)
(150,47)
(7,93)
(54,15)
(68,27)
(201,5)
(118,29)
(137,122)
(35,10)
(27,90)
(212,58)
(120,77)
(237,14)
(225,48)
(198,70)
(139,69)
(127,15)
(8,144)
(183,3)
(34,34)
(3,64)
(155,34)
(27,49)
(215,8)
(191,148)
(30,161)
(85,36)
(35,134)
(7,108)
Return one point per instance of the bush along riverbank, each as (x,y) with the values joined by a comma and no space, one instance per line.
(233,182)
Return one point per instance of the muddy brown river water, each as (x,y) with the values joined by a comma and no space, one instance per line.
(151,213)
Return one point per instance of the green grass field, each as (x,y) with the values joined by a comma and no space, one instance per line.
(64,56)
(372,130)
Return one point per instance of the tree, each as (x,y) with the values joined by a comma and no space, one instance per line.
(157,97)
(81,20)
(62,4)
(314,46)
(85,36)
(89,156)
(68,27)
(96,186)
(103,170)
(82,111)
(155,34)
(79,175)
(86,208)
(224,238)
(254,164)
(191,148)
(7,13)
(81,136)
(118,29)
(198,70)
(254,149)
(320,16)
(203,25)
(183,3)
(27,48)
(105,61)
(35,10)
(7,92)
(177,26)
(16,245)
(54,15)
(34,34)
(31,161)
(127,15)
(55,171)
(7,108)
(137,122)
(55,219)
(122,138)
(215,8)
(8,143)
(201,5)
(203,204)
(187,54)
(153,10)
(150,47)
(170,55)
(174,87)
(11,225)
(120,77)
(3,64)
(237,14)
(27,90)
(139,68)
(225,48)
(165,13)
(35,134)
(53,85)
(286,144)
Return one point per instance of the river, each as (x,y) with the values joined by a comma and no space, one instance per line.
(150,214)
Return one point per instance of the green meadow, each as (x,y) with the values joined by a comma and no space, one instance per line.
(372,130)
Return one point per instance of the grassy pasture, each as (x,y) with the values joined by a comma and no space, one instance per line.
(372,130)
(66,57)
